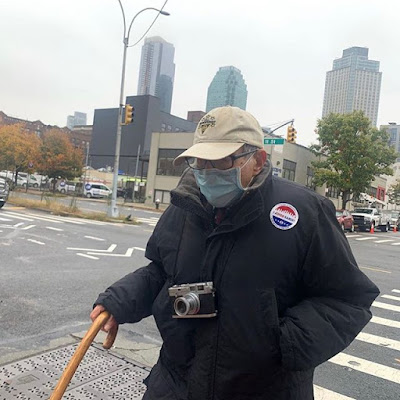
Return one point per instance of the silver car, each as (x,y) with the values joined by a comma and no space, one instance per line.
(4,190)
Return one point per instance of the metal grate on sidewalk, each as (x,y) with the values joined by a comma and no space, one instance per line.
(100,376)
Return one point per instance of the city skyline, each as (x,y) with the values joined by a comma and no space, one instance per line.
(157,71)
(78,66)
(354,83)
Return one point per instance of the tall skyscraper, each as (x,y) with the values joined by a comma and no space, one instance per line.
(157,71)
(228,88)
(79,118)
(353,84)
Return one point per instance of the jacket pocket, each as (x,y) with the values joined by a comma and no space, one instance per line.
(270,319)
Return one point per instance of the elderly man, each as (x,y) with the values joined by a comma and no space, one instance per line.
(251,281)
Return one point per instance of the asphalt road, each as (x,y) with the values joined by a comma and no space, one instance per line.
(52,268)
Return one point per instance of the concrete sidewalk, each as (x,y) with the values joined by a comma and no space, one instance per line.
(117,373)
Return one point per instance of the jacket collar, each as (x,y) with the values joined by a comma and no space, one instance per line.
(188,197)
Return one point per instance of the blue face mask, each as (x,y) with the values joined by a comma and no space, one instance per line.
(221,188)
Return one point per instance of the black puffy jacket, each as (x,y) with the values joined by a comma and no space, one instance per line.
(289,293)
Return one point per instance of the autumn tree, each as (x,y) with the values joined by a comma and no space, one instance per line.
(18,148)
(352,153)
(59,158)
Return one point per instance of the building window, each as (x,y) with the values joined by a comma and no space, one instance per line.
(310,176)
(380,195)
(372,191)
(165,160)
(289,170)
(162,127)
(163,195)
(169,128)
(332,192)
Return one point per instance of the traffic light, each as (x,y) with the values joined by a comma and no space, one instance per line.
(129,114)
(291,134)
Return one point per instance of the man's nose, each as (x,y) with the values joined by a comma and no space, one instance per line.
(208,165)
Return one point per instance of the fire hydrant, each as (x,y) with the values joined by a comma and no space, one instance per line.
(158,204)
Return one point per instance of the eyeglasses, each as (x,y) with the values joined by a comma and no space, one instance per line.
(223,163)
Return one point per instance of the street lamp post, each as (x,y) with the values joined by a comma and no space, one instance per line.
(113,210)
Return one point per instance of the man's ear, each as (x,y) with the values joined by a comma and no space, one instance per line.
(261,158)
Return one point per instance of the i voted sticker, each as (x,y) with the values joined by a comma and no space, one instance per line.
(284,216)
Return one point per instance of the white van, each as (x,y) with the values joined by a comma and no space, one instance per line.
(96,190)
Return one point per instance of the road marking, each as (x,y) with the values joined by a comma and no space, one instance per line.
(14,215)
(384,241)
(367,238)
(17,225)
(352,236)
(321,393)
(379,341)
(42,218)
(395,244)
(95,238)
(35,241)
(128,253)
(367,367)
(139,248)
(390,297)
(386,322)
(396,291)
(1,231)
(54,229)
(386,306)
(109,250)
(87,256)
(5,219)
(376,269)
(28,227)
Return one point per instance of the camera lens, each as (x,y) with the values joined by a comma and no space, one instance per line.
(187,305)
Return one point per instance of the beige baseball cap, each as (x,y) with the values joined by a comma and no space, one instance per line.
(221,132)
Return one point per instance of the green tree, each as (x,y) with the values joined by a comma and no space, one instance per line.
(353,153)
(394,193)
(60,159)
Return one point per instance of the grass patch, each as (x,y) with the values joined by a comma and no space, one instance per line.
(50,204)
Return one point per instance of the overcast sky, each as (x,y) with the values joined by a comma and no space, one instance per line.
(59,56)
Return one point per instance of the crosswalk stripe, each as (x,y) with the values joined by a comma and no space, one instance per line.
(386,306)
(54,229)
(321,393)
(396,291)
(367,367)
(386,322)
(352,236)
(390,297)
(5,219)
(42,218)
(367,238)
(384,241)
(378,341)
(13,215)
(395,244)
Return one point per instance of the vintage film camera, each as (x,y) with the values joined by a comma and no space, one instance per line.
(193,300)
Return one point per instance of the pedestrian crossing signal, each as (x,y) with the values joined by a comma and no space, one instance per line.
(129,114)
(291,134)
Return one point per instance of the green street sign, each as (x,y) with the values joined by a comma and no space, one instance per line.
(274,141)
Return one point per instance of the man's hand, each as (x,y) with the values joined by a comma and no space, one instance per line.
(110,325)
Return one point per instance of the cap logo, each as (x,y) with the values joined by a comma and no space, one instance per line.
(206,122)
(284,216)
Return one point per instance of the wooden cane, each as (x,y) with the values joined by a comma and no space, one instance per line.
(81,351)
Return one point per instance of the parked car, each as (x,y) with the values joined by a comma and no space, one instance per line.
(66,187)
(394,218)
(366,218)
(4,191)
(345,220)
(96,190)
